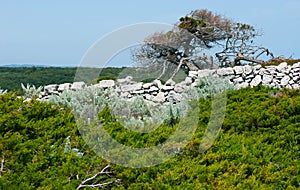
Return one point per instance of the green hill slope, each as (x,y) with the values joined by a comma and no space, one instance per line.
(257,148)
(11,78)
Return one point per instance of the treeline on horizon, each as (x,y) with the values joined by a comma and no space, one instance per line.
(11,78)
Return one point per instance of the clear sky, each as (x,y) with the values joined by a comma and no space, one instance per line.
(58,33)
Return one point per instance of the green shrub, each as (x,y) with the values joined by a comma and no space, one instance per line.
(32,146)
(257,148)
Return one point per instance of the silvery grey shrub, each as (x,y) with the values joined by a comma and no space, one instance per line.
(31,91)
(210,85)
(136,113)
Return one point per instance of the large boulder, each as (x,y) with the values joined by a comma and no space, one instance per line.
(242,85)
(296,86)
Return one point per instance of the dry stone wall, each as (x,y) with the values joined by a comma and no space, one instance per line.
(281,76)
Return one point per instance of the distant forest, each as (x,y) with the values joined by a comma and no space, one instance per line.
(11,78)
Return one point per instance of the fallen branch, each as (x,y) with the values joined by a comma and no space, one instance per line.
(83,183)
(99,185)
(2,165)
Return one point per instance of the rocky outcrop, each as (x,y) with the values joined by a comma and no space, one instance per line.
(281,76)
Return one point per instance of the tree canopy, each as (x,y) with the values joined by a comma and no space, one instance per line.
(232,43)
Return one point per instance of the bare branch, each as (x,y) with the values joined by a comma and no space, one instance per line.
(247,58)
(178,67)
(2,165)
(103,171)
(164,70)
(99,184)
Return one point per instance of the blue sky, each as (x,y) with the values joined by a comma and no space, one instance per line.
(58,33)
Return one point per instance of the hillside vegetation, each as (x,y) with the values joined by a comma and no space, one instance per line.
(11,78)
(257,148)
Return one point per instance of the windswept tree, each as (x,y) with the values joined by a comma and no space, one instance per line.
(232,43)
(175,47)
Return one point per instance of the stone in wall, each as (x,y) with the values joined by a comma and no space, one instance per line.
(132,87)
(106,83)
(285,81)
(205,73)
(127,80)
(170,82)
(193,74)
(282,66)
(65,86)
(256,81)
(225,71)
(238,70)
(78,85)
(159,98)
(247,70)
(267,79)
(51,88)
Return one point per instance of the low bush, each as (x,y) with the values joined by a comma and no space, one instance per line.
(257,147)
